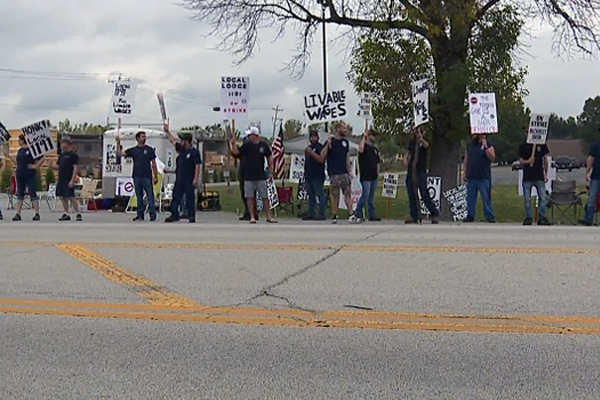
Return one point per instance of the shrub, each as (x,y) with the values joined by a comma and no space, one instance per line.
(7,173)
(50,177)
(38,181)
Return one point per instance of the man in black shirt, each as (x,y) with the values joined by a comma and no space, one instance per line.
(241,173)
(368,165)
(535,174)
(417,141)
(255,153)
(68,166)
(145,174)
(314,178)
(187,173)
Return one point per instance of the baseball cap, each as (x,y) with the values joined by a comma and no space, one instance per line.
(252,131)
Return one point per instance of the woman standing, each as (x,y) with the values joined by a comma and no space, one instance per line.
(26,169)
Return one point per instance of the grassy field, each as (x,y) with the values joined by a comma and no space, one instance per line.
(508,205)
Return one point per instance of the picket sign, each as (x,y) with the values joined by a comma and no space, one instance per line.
(4,134)
(457,200)
(162,106)
(538,129)
(390,185)
(325,107)
(39,138)
(420,94)
(296,168)
(123,99)
(365,110)
(124,187)
(434,187)
(235,98)
(482,113)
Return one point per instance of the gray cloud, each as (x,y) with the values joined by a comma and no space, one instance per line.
(156,41)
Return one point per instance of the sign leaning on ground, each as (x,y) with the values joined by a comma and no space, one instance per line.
(538,129)
(420,94)
(482,113)
(434,187)
(123,99)
(272,193)
(390,185)
(4,134)
(235,97)
(457,200)
(296,168)
(124,187)
(39,138)
(324,107)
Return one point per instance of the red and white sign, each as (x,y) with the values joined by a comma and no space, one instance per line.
(124,187)
(482,113)
(235,97)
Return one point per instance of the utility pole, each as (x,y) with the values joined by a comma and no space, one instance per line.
(275,119)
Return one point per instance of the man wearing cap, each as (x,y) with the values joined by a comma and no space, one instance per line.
(187,173)
(145,174)
(314,177)
(255,152)
(337,154)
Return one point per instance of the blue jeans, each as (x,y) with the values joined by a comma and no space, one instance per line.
(144,185)
(590,209)
(367,196)
(542,197)
(181,189)
(484,187)
(315,191)
(412,196)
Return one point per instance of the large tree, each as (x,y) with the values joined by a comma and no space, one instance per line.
(446,26)
(292,129)
(589,122)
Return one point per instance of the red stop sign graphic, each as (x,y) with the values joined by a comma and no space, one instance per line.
(128,187)
(473,100)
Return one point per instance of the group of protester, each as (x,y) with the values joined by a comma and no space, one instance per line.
(334,154)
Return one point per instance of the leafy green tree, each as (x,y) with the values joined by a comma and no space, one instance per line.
(589,121)
(292,128)
(560,128)
(7,173)
(448,28)
(50,177)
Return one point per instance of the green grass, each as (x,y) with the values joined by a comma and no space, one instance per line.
(508,205)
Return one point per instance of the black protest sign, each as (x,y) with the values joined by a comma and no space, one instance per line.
(457,200)
(39,138)
(4,134)
(324,107)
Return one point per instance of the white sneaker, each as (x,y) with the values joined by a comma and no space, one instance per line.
(355,220)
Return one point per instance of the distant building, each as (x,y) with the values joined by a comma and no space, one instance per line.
(567,147)
(89,149)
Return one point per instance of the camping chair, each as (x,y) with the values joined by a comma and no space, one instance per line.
(88,192)
(132,204)
(12,196)
(50,197)
(286,198)
(564,197)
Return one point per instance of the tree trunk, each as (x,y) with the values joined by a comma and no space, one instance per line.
(445,159)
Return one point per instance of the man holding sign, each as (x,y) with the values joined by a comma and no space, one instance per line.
(533,156)
(477,174)
(27,166)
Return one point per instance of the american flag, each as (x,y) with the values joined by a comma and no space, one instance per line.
(278,155)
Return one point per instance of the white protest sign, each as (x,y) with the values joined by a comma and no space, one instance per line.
(272,193)
(124,187)
(482,113)
(235,97)
(434,187)
(365,110)
(551,177)
(39,138)
(420,93)
(170,161)
(161,105)
(4,134)
(325,107)
(296,168)
(457,200)
(123,99)
(111,159)
(538,129)
(390,185)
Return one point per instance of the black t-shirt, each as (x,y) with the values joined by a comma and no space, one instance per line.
(142,160)
(422,161)
(24,159)
(255,155)
(479,165)
(367,163)
(595,152)
(314,170)
(187,159)
(535,172)
(337,157)
(67,160)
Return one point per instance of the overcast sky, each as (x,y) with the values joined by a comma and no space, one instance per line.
(156,41)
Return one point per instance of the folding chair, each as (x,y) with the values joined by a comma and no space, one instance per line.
(12,196)
(166,198)
(132,204)
(50,197)
(88,192)
(286,198)
(564,197)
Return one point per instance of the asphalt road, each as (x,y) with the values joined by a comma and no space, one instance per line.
(108,309)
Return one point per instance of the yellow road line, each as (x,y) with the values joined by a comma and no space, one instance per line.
(332,319)
(322,247)
(151,291)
